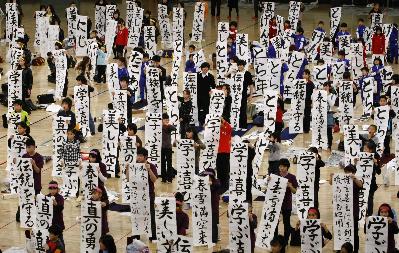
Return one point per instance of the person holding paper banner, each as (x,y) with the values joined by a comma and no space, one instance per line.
(37,164)
(385,210)
(308,101)
(99,194)
(192,134)
(248,83)
(58,207)
(54,244)
(205,83)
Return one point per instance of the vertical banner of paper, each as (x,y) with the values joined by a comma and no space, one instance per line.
(164,26)
(81,35)
(352,143)
(89,178)
(134,69)
(376,20)
(364,172)
(44,219)
(90,227)
(185,168)
(14,87)
(190,83)
(44,24)
(100,20)
(165,217)
(18,148)
(92,50)
(294,64)
(273,75)
(386,76)
(198,22)
(149,40)
(119,101)
(326,51)
(260,146)
(217,102)
(53,35)
(139,199)
(134,26)
(242,47)
(223,31)
(127,155)
(311,48)
(276,42)
(180,245)
(344,43)
(70,177)
(293,14)
(320,75)
(211,141)
(280,25)
(335,19)
(72,13)
(26,193)
(367,97)
(381,118)
(221,62)
(319,119)
(202,213)
(110,31)
(236,88)
(264,30)
(153,90)
(82,107)
(357,61)
(12,119)
(275,192)
(199,58)
(346,103)
(395,102)
(38,41)
(112,77)
(109,12)
(153,142)
(270,108)
(306,172)
(12,21)
(343,219)
(311,236)
(60,62)
(110,140)
(338,70)
(178,24)
(260,66)
(297,106)
(377,229)
(238,170)
(172,105)
(239,232)
(60,127)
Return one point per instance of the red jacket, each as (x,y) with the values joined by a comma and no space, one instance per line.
(378,44)
(122,37)
(272,29)
(225,137)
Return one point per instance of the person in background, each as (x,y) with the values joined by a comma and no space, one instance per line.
(215,8)
(343,30)
(27,78)
(18,104)
(205,82)
(190,64)
(66,105)
(192,134)
(245,98)
(122,67)
(101,65)
(320,26)
(132,132)
(54,243)
(226,114)
(385,210)
(319,164)
(37,164)
(330,114)
(274,156)
(233,4)
(107,244)
(347,248)
(256,10)
(124,85)
(308,101)
(58,207)
(156,59)
(81,80)
(278,128)
(393,45)
(185,107)
(121,39)
(84,67)
(376,70)
(360,28)
(95,157)
(299,39)
(341,58)
(166,151)
(233,29)
(22,129)
(378,42)
(182,219)
(286,207)
(277,244)
(253,224)
(71,148)
(99,194)
(223,156)
(376,9)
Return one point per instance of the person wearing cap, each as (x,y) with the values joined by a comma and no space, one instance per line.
(286,206)
(205,83)
(357,186)
(385,210)
(99,194)
(313,213)
(18,108)
(182,219)
(58,206)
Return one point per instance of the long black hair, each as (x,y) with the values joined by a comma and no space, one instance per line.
(109,243)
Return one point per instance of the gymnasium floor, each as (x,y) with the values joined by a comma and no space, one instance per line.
(12,235)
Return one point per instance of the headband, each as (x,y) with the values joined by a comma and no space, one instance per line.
(384,208)
(97,189)
(53,186)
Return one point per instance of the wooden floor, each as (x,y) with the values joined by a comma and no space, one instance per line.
(12,235)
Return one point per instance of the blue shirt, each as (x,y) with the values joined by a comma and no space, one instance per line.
(346,63)
(190,67)
(271,51)
(393,38)
(320,29)
(122,72)
(101,57)
(340,33)
(300,41)
(360,31)
(302,68)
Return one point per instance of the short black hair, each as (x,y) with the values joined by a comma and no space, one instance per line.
(205,65)
(285,162)
(275,135)
(142,151)
(300,30)
(67,101)
(30,142)
(156,58)
(165,115)
(146,55)
(346,75)
(132,126)
(341,52)
(306,71)
(350,168)
(179,196)
(360,20)
(320,61)
(82,79)
(241,63)
(18,102)
(365,69)
(55,230)
(124,78)
(344,25)
(191,46)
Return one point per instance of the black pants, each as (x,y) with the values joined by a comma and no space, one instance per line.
(166,164)
(243,121)
(119,50)
(387,148)
(370,202)
(202,112)
(329,136)
(356,235)
(223,170)
(215,222)
(215,4)
(101,70)
(287,225)
(278,128)
(230,9)
(256,7)
(307,119)
(273,167)
(152,211)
